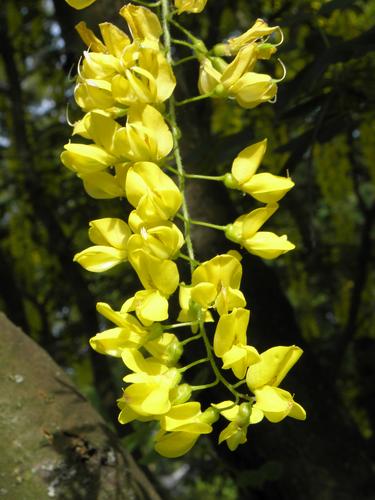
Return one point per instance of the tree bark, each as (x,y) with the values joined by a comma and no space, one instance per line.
(54,444)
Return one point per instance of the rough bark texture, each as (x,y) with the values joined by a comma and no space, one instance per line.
(53,443)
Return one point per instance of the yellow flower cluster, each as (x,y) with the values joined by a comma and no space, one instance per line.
(122,149)
(238,79)
(116,73)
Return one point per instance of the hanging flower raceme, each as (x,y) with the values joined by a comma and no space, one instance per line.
(123,148)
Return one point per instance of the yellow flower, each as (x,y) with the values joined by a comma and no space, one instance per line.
(143,23)
(151,383)
(239,358)
(240,417)
(231,329)
(149,306)
(215,283)
(265,187)
(238,80)
(163,346)
(190,6)
(86,158)
(188,311)
(181,428)
(276,404)
(167,349)
(210,78)
(79,4)
(154,273)
(110,236)
(267,245)
(103,185)
(253,89)
(153,193)
(113,341)
(274,365)
(259,30)
(146,136)
(230,342)
(264,377)
(162,241)
(117,73)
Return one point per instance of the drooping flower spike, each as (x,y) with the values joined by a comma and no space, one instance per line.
(125,146)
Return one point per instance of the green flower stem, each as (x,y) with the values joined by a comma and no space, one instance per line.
(198,362)
(216,370)
(175,132)
(182,42)
(173,170)
(202,223)
(193,99)
(241,382)
(184,60)
(208,224)
(218,178)
(190,339)
(204,386)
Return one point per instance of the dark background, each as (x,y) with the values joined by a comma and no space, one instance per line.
(321,296)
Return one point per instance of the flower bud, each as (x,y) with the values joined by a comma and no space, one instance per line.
(210,415)
(180,394)
(244,412)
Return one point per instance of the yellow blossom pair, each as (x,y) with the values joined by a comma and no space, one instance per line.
(238,79)
(265,244)
(264,187)
(263,379)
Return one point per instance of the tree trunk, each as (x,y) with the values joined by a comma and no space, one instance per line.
(54,444)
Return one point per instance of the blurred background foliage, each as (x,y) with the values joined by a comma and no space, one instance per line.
(321,131)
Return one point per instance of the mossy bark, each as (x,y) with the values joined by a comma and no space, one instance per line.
(53,443)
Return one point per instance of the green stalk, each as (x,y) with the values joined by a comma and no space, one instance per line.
(216,370)
(177,153)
